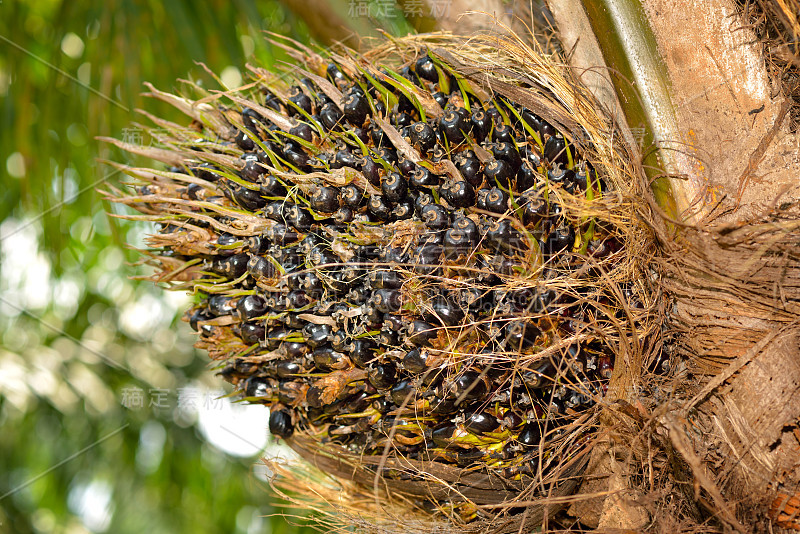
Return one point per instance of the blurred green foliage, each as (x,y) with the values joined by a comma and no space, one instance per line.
(76,332)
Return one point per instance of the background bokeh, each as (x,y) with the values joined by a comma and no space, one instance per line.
(109,420)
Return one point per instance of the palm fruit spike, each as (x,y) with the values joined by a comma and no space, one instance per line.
(387,276)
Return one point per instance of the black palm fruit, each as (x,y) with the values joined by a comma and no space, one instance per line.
(470,168)
(444,311)
(526,177)
(303,131)
(380,208)
(422,178)
(403,210)
(344,158)
(423,136)
(479,422)
(355,108)
(494,200)
(394,187)
(435,216)
(426,69)
(481,124)
(507,151)
(498,172)
(539,125)
(324,199)
(440,98)
(459,194)
(420,333)
(457,242)
(402,120)
(503,133)
(555,150)
(406,166)
(330,116)
(454,127)
(280,423)
(560,239)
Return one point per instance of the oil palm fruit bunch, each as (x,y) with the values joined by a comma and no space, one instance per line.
(420,267)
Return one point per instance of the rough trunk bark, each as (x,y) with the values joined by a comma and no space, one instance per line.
(733,313)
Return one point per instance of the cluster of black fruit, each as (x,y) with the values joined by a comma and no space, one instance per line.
(423,344)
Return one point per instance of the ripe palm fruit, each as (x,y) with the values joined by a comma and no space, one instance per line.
(399,278)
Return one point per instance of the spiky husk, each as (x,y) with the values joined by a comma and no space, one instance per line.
(212,204)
